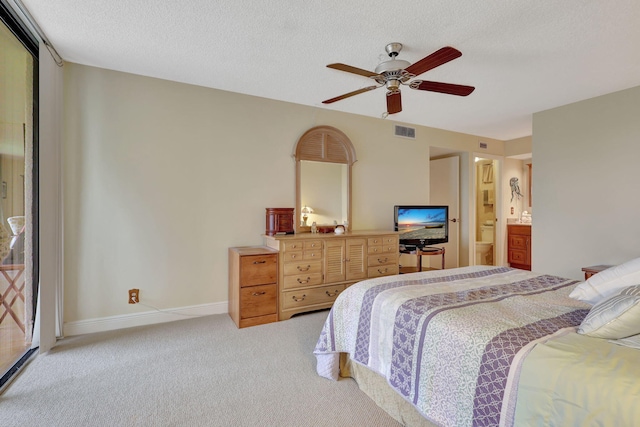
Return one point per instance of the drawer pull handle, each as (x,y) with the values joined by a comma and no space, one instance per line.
(332,294)
(304,281)
(257,294)
(259,262)
(293,256)
(383,261)
(296,299)
(383,272)
(304,269)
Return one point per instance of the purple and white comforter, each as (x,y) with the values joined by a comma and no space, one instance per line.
(449,341)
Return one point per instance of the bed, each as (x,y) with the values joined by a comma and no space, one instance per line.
(481,346)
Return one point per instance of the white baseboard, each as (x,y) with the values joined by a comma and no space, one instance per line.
(150,317)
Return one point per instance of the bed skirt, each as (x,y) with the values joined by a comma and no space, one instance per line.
(375,386)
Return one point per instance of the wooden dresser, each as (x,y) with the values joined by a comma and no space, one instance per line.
(314,268)
(519,246)
(253,292)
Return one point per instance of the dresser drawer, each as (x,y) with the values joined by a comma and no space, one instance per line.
(377,249)
(383,241)
(390,248)
(307,297)
(381,259)
(295,245)
(292,268)
(258,300)
(302,280)
(302,255)
(258,269)
(311,254)
(292,256)
(375,241)
(312,244)
(383,270)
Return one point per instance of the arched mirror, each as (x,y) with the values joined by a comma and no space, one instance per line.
(324,156)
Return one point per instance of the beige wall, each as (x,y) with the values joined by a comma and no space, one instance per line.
(161,178)
(518,146)
(585,191)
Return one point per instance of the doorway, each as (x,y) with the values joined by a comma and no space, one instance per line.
(487,232)
(444,189)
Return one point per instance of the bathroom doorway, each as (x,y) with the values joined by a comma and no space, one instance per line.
(486,211)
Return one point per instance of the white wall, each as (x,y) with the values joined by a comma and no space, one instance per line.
(585,193)
(162,177)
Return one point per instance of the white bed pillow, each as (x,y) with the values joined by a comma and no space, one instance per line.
(614,318)
(608,282)
(632,341)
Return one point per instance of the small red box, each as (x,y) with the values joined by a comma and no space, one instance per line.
(326,228)
(279,221)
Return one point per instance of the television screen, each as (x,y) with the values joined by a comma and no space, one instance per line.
(422,225)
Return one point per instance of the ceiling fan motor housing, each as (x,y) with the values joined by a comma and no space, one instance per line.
(392,65)
(392,74)
(392,71)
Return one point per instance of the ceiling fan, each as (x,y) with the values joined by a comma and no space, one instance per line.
(394,72)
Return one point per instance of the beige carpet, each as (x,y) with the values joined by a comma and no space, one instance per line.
(195,372)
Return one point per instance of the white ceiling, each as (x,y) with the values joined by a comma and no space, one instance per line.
(523,56)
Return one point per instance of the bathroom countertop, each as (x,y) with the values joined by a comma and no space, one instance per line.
(516,222)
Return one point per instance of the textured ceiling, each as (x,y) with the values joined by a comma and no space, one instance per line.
(522,56)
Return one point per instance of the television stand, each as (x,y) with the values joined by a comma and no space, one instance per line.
(419,252)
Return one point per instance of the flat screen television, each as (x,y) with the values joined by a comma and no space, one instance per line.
(422,225)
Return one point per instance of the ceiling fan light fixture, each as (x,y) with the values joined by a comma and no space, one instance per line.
(393,85)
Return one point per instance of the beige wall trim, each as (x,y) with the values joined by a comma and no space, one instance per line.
(150,317)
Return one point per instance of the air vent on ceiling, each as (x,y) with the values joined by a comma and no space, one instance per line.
(405,132)
(483,145)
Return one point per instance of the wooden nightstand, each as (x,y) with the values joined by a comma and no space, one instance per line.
(590,271)
(253,278)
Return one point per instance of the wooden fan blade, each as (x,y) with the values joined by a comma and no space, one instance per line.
(394,102)
(437,58)
(347,95)
(448,88)
(354,70)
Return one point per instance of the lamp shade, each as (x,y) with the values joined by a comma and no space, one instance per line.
(306,210)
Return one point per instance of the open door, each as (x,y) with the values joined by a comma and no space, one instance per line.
(444,179)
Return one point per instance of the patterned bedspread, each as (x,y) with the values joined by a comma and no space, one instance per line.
(449,341)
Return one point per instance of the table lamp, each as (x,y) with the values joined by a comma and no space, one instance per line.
(306,210)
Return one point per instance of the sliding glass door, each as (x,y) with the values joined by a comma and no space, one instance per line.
(18,169)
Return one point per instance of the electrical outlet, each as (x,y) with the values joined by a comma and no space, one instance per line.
(134,296)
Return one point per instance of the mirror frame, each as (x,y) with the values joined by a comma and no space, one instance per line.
(323,144)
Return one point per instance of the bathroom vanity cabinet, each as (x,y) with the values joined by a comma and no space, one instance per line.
(519,246)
